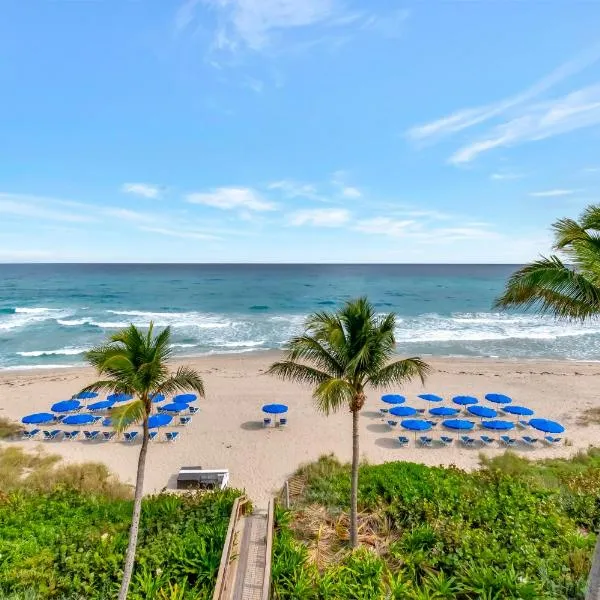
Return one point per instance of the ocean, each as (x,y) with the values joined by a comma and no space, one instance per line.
(51,314)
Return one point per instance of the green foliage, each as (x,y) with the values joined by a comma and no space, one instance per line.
(9,429)
(514,529)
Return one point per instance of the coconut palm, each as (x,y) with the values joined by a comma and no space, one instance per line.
(568,290)
(340,354)
(134,362)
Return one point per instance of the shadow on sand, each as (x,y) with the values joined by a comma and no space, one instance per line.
(252,425)
(379,428)
(386,442)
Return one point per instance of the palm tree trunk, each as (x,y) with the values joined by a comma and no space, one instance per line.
(354,484)
(135,518)
(593,584)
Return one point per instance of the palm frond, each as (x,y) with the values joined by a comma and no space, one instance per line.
(184,379)
(313,350)
(400,372)
(107,385)
(291,371)
(333,394)
(125,415)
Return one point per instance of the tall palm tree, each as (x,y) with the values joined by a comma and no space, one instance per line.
(568,290)
(340,354)
(134,362)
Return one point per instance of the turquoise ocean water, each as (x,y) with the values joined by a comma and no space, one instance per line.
(51,314)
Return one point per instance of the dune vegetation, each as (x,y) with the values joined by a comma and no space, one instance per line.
(513,529)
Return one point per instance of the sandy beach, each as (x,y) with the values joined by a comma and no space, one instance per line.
(228,432)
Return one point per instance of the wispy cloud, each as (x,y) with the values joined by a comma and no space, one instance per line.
(506,176)
(133,216)
(552,193)
(180,233)
(591,170)
(42,208)
(339,180)
(386,226)
(295,189)
(320,217)
(146,190)
(390,25)
(228,198)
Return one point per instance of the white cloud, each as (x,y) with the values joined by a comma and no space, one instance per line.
(469,117)
(180,233)
(390,25)
(228,198)
(146,190)
(386,226)
(124,214)
(42,208)
(591,170)
(552,193)
(339,180)
(505,176)
(351,192)
(295,189)
(185,14)
(321,217)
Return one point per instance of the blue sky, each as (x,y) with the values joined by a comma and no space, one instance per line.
(294,130)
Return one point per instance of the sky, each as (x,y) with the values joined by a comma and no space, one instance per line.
(294,130)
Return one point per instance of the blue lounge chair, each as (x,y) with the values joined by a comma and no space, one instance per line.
(98,419)
(91,435)
(59,418)
(267,422)
(447,441)
(467,441)
(171,436)
(383,411)
(51,435)
(432,423)
(425,441)
(193,410)
(108,435)
(283,422)
(185,420)
(487,440)
(130,436)
(403,440)
(522,424)
(529,441)
(107,422)
(508,441)
(551,440)
(152,435)
(29,435)
(392,423)
(70,435)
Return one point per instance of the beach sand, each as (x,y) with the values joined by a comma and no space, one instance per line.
(228,432)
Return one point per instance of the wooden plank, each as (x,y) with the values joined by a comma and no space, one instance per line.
(266,593)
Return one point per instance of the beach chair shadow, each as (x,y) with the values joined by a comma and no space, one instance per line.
(252,425)
(370,414)
(387,442)
(379,428)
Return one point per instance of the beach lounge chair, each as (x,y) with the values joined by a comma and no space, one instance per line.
(403,440)
(70,435)
(283,422)
(392,424)
(130,436)
(107,422)
(152,435)
(108,435)
(467,441)
(193,410)
(508,441)
(91,435)
(59,418)
(487,440)
(551,440)
(51,435)
(522,424)
(425,441)
(171,436)
(383,411)
(432,423)
(267,422)
(98,419)
(447,441)
(29,435)
(529,441)
(420,410)
(185,420)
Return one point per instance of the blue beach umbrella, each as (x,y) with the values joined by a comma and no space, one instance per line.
(415,424)
(458,424)
(159,420)
(86,395)
(78,419)
(403,411)
(443,411)
(38,418)
(119,397)
(275,409)
(101,405)
(66,406)
(174,407)
(430,397)
(483,411)
(393,399)
(465,400)
(157,397)
(498,425)
(546,426)
(107,422)
(185,398)
(518,410)
(498,398)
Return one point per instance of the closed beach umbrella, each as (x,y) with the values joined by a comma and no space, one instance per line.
(430,397)
(465,400)
(174,407)
(66,406)
(458,424)
(415,424)
(546,426)
(119,397)
(443,411)
(403,411)
(101,405)
(275,409)
(86,395)
(393,399)
(185,398)
(518,410)
(78,419)
(159,420)
(157,397)
(498,425)
(38,418)
(498,398)
(483,411)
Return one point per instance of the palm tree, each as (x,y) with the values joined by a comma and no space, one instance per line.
(568,290)
(340,354)
(134,362)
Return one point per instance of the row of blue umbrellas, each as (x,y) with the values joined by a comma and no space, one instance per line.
(461,400)
(465,425)
(158,420)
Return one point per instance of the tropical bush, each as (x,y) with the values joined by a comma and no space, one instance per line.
(514,529)
(68,539)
